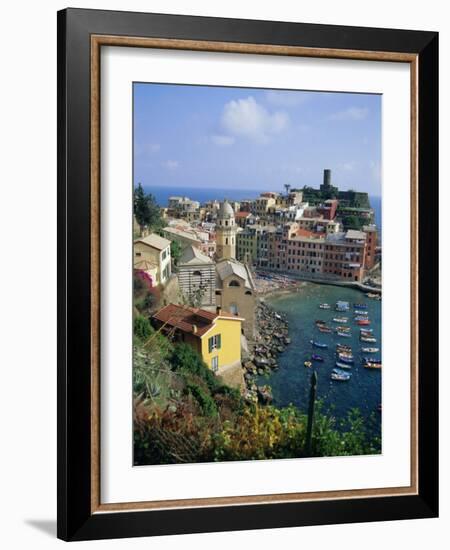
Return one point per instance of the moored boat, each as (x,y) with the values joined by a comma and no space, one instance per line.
(370,350)
(308,364)
(345,358)
(315,357)
(363,322)
(342,306)
(368,339)
(344,334)
(343,365)
(340,377)
(324,306)
(360,306)
(368,330)
(318,344)
(320,323)
(371,360)
(372,365)
(340,319)
(324,329)
(361,312)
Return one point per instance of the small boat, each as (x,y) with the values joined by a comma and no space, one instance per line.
(371,360)
(308,364)
(324,329)
(320,323)
(360,306)
(345,359)
(340,319)
(340,377)
(343,365)
(370,350)
(344,334)
(318,344)
(368,330)
(324,306)
(345,350)
(340,371)
(372,365)
(343,347)
(315,357)
(360,318)
(342,306)
(361,312)
(343,328)
(363,322)
(368,339)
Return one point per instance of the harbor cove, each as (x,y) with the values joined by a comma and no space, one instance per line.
(290,382)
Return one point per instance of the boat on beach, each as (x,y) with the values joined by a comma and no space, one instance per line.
(318,344)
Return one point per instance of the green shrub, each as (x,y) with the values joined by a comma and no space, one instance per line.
(142,327)
(204,399)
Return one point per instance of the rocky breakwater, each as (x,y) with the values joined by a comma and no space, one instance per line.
(271,339)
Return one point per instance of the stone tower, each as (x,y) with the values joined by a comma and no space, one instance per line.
(226,232)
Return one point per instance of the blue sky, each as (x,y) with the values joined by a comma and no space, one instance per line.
(246,138)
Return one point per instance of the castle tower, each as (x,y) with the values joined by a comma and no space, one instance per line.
(225,232)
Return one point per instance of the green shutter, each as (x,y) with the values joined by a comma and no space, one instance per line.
(210,344)
(219,341)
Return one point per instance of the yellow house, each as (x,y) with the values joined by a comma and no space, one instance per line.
(215,336)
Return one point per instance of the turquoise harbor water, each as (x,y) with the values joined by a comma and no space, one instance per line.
(291,383)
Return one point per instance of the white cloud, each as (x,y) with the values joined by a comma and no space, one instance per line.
(348,166)
(153,147)
(171,164)
(247,118)
(286,98)
(352,113)
(222,141)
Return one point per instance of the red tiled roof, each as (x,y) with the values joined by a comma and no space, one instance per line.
(185,318)
(241,214)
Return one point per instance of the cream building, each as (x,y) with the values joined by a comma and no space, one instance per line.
(156,251)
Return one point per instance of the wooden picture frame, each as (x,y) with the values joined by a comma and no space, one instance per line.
(81,35)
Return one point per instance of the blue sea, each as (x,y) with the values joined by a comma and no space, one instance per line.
(290,384)
(201,194)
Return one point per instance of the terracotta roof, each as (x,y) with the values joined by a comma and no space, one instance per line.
(185,318)
(242,214)
(155,241)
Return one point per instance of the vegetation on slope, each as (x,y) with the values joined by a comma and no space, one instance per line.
(184,413)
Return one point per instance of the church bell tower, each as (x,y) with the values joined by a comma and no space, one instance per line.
(226,232)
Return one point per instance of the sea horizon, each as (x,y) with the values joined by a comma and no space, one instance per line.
(201,194)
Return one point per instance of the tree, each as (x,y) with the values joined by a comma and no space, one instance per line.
(146,210)
(175,251)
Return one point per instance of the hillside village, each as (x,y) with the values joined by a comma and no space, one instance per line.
(209,264)
(204,336)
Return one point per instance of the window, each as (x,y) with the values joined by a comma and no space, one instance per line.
(215,342)
(138,254)
(234,283)
(215,363)
(233,309)
(164,255)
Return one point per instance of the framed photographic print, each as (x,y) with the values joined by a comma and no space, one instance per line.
(247,274)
